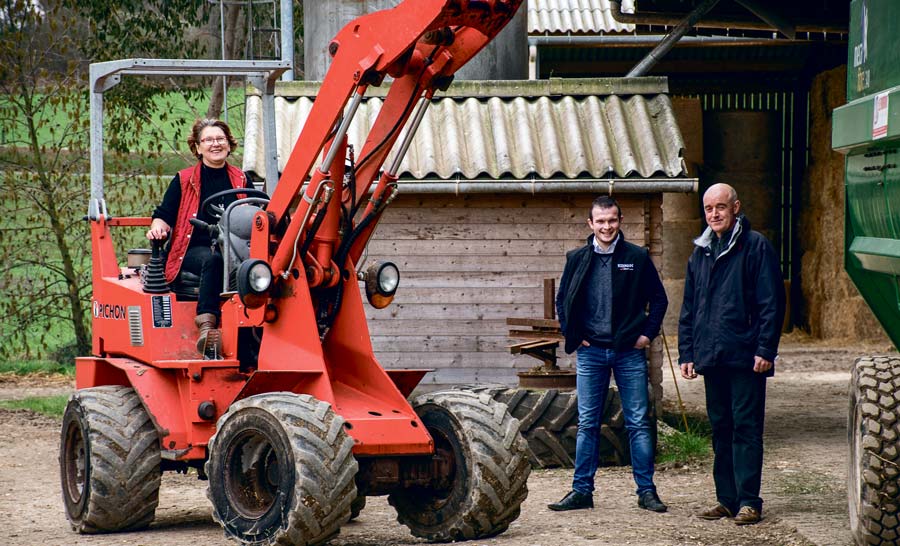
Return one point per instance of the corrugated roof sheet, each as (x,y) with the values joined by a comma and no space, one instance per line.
(575,17)
(514,137)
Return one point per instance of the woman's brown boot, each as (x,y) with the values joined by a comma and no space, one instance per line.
(210,341)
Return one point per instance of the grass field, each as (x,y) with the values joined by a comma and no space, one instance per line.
(54,406)
(134,184)
(171,116)
(26,367)
(682,447)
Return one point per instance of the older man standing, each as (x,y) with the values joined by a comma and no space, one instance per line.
(729,330)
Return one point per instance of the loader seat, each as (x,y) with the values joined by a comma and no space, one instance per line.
(186,286)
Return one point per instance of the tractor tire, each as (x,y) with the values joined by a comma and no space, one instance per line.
(490,469)
(356,507)
(549,423)
(873,490)
(109,461)
(281,471)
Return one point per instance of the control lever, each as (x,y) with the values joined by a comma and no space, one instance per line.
(155,273)
(211,229)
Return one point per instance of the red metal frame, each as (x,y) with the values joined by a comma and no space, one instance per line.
(164,367)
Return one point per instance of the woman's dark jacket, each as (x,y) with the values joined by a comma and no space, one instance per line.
(635,284)
(734,304)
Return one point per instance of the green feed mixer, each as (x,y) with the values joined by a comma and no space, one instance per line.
(867,132)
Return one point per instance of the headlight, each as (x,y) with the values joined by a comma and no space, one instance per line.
(254,279)
(388,279)
(259,277)
(382,280)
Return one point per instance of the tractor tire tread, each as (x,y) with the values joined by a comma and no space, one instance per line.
(125,461)
(549,423)
(874,460)
(323,454)
(498,467)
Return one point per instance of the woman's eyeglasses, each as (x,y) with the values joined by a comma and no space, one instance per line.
(214,140)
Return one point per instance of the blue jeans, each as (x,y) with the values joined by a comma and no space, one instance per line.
(630,368)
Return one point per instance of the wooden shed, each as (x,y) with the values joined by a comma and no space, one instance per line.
(765,77)
(495,189)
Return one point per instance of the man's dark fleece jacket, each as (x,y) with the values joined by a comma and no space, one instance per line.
(733,301)
(635,284)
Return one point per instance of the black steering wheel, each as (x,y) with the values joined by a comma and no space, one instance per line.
(214,210)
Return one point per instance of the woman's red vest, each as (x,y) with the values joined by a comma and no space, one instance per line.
(187,209)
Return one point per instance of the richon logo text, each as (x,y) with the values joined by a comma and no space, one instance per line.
(107,311)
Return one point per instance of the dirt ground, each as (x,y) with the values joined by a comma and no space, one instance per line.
(804,480)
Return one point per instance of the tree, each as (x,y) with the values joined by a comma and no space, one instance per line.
(44,138)
(233,28)
(238,23)
(43,123)
(45,49)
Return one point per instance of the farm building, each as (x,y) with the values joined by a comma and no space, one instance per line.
(498,181)
(494,190)
(766,77)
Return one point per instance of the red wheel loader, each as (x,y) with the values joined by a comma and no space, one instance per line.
(294,422)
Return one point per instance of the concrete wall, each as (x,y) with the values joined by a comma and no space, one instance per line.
(832,306)
(681,213)
(505,58)
(322,21)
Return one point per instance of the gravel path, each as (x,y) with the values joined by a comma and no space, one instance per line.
(804,481)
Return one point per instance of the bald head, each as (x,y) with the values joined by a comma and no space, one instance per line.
(721,190)
(721,207)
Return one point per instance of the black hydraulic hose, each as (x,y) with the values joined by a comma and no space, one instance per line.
(343,251)
(344,248)
(310,235)
(409,105)
(329,316)
(397,125)
(351,186)
(340,259)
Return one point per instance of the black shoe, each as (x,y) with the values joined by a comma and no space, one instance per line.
(573,501)
(649,500)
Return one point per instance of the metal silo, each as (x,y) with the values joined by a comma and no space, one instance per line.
(505,58)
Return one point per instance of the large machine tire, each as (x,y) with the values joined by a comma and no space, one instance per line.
(490,462)
(109,461)
(549,423)
(873,490)
(356,507)
(281,471)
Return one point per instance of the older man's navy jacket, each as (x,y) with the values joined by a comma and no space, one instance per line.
(733,305)
(635,284)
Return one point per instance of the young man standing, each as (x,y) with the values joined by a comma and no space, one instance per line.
(605,290)
(728,331)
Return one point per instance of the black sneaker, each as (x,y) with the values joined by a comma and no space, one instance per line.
(649,500)
(573,501)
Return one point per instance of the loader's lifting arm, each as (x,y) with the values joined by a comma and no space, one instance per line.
(420,44)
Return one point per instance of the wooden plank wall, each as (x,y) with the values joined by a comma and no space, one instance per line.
(469,262)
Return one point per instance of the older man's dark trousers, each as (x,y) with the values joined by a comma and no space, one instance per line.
(736,403)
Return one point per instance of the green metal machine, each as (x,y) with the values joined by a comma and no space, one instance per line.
(867,132)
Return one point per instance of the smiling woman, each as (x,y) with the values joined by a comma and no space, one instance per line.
(191,251)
